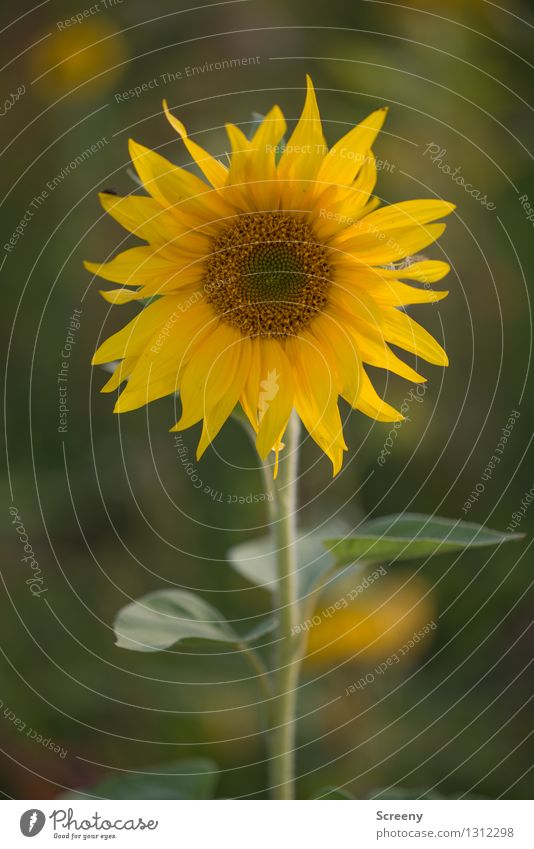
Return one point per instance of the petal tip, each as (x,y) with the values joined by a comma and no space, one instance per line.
(135,149)
(174,122)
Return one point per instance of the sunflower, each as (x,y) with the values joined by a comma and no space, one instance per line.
(271,283)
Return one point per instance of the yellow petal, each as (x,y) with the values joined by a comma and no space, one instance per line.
(340,348)
(316,396)
(121,296)
(365,182)
(250,395)
(209,357)
(165,356)
(345,159)
(396,294)
(347,205)
(396,216)
(351,285)
(240,150)
(354,300)
(176,188)
(132,339)
(265,141)
(377,249)
(370,403)
(306,148)
(188,283)
(371,343)
(355,201)
(213,170)
(146,217)
(136,266)
(260,167)
(426,271)
(225,381)
(351,206)
(273,395)
(121,373)
(402,330)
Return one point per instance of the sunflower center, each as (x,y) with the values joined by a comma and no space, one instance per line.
(267,275)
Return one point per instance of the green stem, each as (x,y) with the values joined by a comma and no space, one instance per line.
(282,696)
(286,675)
(257,666)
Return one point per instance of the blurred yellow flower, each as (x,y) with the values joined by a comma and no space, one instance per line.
(377,624)
(277,279)
(89,55)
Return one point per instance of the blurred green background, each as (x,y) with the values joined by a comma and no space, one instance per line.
(109,510)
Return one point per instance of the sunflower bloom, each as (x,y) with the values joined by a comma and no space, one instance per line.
(273,282)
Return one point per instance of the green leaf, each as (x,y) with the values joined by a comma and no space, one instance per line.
(160,619)
(193,778)
(256,559)
(409,535)
(332,793)
(264,627)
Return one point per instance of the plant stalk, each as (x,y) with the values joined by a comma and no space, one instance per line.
(286,673)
